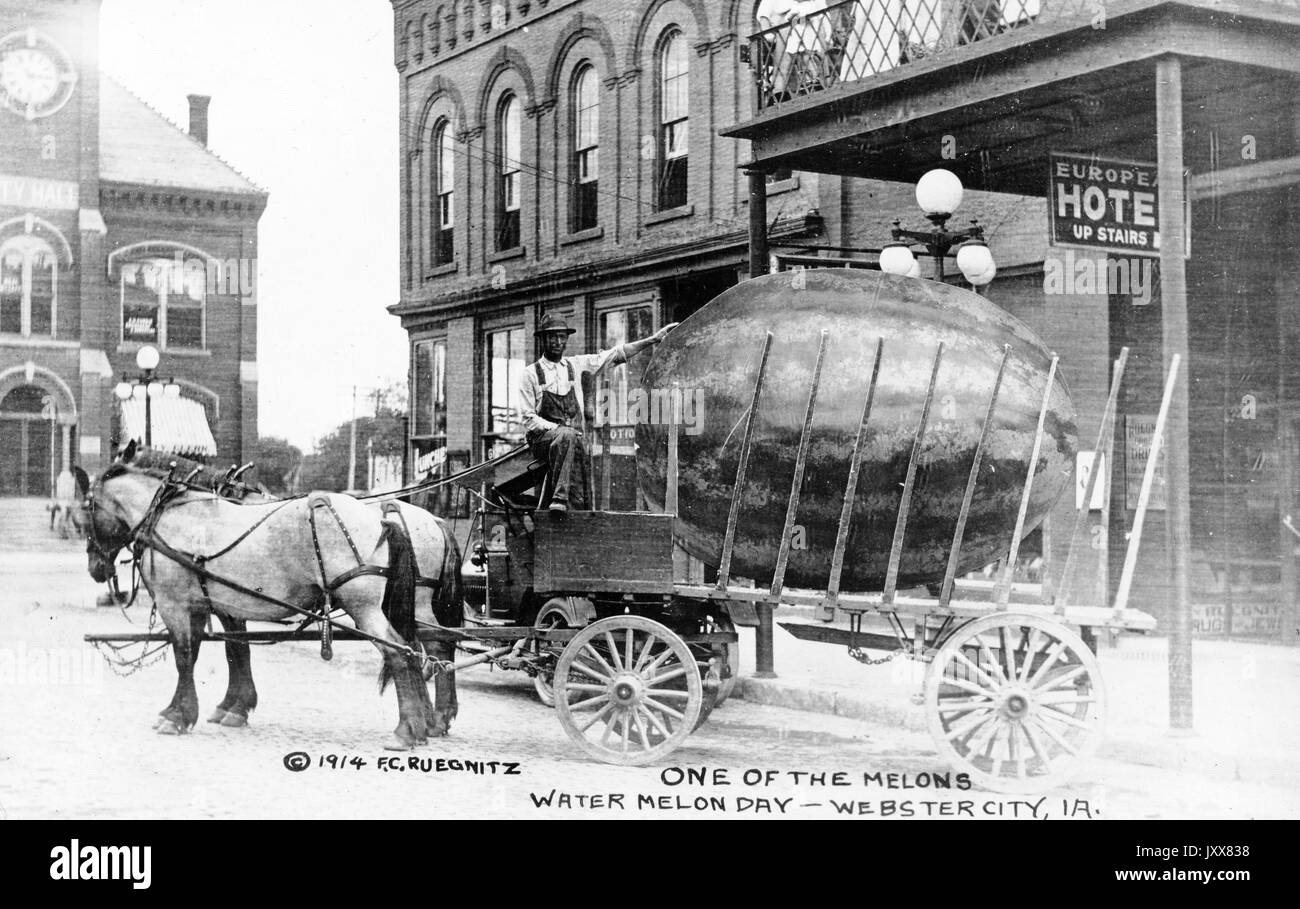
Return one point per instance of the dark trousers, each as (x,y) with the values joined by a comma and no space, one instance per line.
(566,461)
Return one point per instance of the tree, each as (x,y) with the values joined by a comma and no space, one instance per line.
(277,463)
(327,467)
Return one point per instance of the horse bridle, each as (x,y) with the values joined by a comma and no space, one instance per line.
(134,536)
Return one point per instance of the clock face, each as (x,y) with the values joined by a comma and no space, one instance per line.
(36,77)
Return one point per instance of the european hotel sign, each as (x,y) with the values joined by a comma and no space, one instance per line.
(1103,204)
(34,192)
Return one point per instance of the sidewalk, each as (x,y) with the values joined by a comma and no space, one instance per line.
(1246,699)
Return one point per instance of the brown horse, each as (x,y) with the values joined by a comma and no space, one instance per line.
(200,554)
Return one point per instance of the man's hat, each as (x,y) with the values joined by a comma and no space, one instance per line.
(553,323)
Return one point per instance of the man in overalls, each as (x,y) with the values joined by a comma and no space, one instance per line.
(550,396)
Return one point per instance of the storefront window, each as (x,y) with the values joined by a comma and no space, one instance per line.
(429,395)
(619,326)
(505,368)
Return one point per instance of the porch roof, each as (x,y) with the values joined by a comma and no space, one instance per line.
(991,109)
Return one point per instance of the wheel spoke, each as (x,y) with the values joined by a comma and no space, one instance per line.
(1062,680)
(595,719)
(1037,748)
(958,705)
(645,652)
(589,703)
(1031,649)
(627,653)
(1052,656)
(658,661)
(966,686)
(614,658)
(664,708)
(591,673)
(990,682)
(669,675)
(640,729)
(1054,736)
(627,727)
(599,659)
(1053,714)
(1050,700)
(963,727)
(654,721)
(582,686)
(609,727)
(667,693)
(1006,652)
(993,662)
(995,765)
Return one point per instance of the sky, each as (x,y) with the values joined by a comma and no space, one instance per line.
(304,104)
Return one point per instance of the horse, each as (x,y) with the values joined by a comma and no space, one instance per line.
(264,559)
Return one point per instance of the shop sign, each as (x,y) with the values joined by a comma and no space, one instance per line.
(1139,430)
(1104,204)
(140,324)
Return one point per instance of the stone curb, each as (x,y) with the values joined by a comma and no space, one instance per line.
(1163,753)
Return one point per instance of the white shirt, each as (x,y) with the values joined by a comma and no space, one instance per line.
(556,376)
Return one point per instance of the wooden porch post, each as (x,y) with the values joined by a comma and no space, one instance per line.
(759,264)
(1173,300)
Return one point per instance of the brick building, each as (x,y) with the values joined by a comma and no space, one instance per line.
(117,230)
(562,157)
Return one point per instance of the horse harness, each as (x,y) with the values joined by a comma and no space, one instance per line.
(144,535)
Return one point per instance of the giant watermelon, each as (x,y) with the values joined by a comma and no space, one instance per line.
(714,356)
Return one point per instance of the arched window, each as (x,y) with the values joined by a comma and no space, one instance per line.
(674,106)
(163,299)
(28,286)
(586,145)
(508,153)
(444,188)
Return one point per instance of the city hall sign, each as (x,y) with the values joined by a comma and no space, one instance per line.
(1103,204)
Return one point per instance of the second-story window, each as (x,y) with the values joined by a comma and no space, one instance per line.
(586,146)
(444,173)
(508,155)
(162,301)
(27,286)
(674,105)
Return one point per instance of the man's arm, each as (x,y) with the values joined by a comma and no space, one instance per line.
(625,352)
(530,396)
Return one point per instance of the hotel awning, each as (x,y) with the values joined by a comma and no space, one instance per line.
(180,425)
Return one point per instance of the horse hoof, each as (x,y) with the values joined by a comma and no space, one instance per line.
(396,744)
(168,727)
(218,716)
(234,720)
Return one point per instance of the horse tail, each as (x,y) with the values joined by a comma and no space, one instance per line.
(449,604)
(398,604)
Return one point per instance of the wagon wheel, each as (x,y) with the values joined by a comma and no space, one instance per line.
(551,616)
(627,690)
(1016,701)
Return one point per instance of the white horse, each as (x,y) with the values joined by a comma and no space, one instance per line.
(201,554)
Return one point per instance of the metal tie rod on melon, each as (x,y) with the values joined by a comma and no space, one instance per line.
(1148,480)
(827,610)
(1104,433)
(792,506)
(905,503)
(1004,583)
(729,540)
(950,573)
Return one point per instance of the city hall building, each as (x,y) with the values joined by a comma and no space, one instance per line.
(118,230)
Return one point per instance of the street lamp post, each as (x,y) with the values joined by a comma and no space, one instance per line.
(938,193)
(147,387)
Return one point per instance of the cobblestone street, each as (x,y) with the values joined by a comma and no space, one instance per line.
(78,742)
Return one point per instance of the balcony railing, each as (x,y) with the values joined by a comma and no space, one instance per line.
(858,39)
(854,40)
